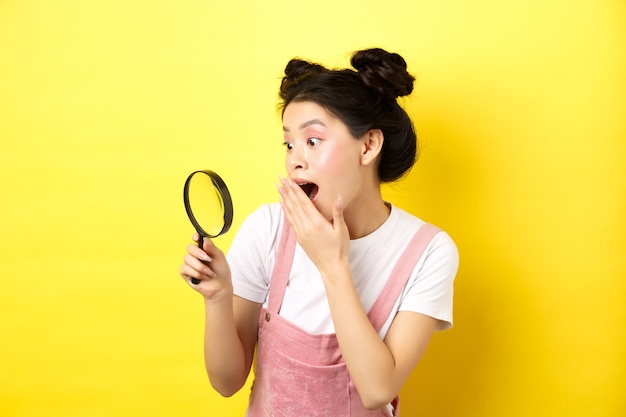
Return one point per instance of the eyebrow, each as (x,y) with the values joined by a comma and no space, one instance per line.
(307,124)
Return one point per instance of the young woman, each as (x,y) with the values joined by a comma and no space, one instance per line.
(336,290)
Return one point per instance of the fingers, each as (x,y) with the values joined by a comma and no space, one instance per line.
(199,253)
(196,264)
(338,211)
(195,268)
(296,204)
(211,252)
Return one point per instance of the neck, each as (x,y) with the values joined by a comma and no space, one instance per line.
(365,215)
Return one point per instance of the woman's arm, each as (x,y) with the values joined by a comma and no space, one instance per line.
(230,322)
(378,368)
(230,337)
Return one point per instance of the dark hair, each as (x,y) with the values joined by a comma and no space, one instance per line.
(364,99)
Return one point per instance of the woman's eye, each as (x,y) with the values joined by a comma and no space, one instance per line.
(288,145)
(314,141)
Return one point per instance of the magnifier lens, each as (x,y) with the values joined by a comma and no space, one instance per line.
(205,200)
(208,205)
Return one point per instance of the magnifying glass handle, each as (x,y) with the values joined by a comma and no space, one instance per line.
(196,281)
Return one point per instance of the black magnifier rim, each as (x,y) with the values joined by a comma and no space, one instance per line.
(226,200)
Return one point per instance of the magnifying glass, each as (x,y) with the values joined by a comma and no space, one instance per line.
(208,205)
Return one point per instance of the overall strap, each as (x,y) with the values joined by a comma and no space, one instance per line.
(282,267)
(400,274)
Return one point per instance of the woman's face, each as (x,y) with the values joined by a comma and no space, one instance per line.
(322,156)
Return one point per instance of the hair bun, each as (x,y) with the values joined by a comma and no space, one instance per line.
(296,71)
(383,71)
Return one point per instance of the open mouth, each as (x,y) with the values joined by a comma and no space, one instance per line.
(309,189)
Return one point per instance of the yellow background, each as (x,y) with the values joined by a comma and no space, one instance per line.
(106,106)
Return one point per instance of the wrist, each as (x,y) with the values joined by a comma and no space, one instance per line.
(336,273)
(219,298)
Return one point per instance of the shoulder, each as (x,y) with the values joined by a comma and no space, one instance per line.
(430,290)
(262,224)
(266,214)
(409,224)
(252,253)
(259,229)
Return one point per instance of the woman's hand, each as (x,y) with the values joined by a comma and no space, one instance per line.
(327,243)
(209,266)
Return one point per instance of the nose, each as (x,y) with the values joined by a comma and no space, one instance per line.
(296,159)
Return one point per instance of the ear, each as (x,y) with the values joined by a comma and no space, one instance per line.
(372,146)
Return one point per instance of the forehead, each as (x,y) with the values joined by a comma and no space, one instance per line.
(299,115)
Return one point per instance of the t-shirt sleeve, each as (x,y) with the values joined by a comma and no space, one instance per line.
(251,255)
(430,290)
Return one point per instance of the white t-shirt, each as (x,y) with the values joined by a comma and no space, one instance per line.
(429,289)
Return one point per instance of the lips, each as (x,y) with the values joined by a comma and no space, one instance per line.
(309,189)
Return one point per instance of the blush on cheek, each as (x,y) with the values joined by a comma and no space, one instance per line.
(333,163)
(337,171)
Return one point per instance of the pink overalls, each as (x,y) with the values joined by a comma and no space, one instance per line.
(303,375)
